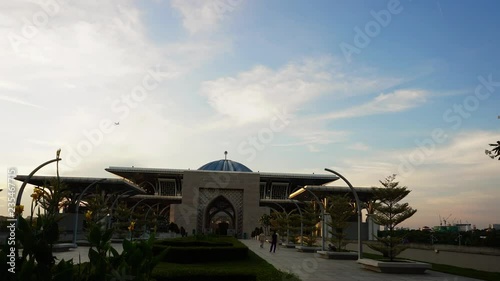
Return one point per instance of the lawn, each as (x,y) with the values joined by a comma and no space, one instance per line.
(251,268)
(466,272)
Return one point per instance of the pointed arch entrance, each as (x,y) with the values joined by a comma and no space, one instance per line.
(220,211)
(220,216)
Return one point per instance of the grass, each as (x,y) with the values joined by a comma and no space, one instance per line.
(247,268)
(198,250)
(465,272)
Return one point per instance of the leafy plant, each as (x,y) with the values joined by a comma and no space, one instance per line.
(311,217)
(265,221)
(280,221)
(37,235)
(495,152)
(389,213)
(136,261)
(340,210)
(294,223)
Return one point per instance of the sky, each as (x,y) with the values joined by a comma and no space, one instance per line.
(366,88)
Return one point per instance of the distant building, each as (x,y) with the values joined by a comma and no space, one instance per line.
(495,226)
(464,227)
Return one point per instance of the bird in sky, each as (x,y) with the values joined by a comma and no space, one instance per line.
(117,123)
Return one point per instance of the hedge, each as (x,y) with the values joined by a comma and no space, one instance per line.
(215,277)
(188,251)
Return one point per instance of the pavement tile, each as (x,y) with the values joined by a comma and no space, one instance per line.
(310,267)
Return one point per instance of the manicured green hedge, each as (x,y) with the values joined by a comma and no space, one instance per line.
(184,243)
(215,277)
(251,268)
(194,251)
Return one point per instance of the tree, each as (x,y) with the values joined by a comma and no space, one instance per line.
(280,221)
(265,221)
(294,223)
(495,152)
(390,212)
(311,217)
(340,210)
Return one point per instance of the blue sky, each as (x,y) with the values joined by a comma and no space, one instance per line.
(368,88)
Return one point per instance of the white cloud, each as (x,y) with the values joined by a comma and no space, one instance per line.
(89,55)
(18,101)
(250,99)
(454,177)
(396,101)
(253,95)
(312,136)
(359,146)
(204,16)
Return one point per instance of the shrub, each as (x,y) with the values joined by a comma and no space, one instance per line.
(389,212)
(187,250)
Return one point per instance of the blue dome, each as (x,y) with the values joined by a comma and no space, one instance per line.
(225,165)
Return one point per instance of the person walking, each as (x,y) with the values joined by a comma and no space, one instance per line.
(274,241)
(262,239)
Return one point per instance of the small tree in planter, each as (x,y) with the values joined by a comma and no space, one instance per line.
(294,220)
(389,212)
(265,221)
(340,210)
(279,222)
(311,217)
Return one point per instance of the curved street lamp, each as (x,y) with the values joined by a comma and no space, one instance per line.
(28,178)
(287,219)
(358,207)
(320,203)
(78,200)
(301,224)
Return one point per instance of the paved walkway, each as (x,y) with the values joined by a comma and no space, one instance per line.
(310,267)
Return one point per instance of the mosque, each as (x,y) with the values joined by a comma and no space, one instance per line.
(222,196)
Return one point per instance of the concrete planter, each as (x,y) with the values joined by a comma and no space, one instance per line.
(307,249)
(63,247)
(401,266)
(289,245)
(338,255)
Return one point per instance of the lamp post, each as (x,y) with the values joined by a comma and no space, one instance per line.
(28,178)
(113,206)
(78,200)
(301,224)
(287,221)
(358,207)
(322,218)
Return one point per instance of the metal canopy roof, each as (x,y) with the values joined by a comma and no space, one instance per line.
(322,191)
(298,179)
(149,198)
(142,174)
(78,184)
(130,171)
